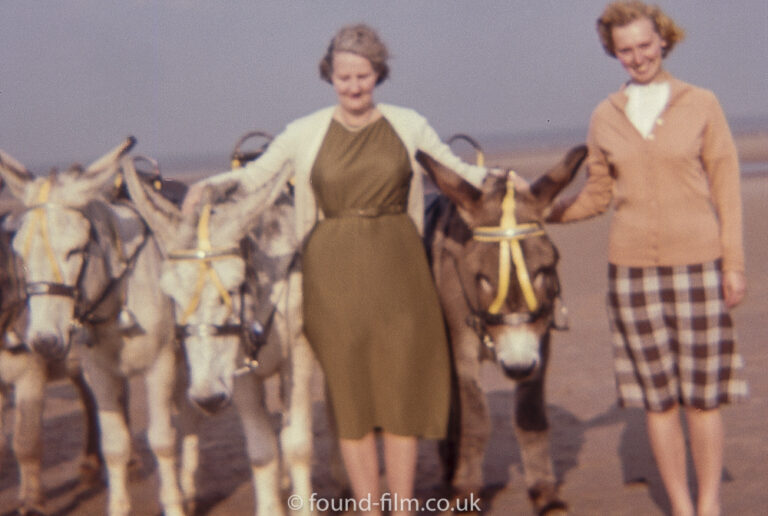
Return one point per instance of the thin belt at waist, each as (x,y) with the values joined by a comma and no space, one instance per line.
(367,212)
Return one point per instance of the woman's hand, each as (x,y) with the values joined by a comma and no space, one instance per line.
(734,287)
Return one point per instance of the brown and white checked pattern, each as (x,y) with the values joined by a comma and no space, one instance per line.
(673,338)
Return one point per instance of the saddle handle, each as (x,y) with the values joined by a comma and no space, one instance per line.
(240,157)
(153,175)
(479,154)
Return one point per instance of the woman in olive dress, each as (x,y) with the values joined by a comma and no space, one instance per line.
(371,312)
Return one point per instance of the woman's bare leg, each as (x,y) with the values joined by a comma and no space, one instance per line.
(665,433)
(400,454)
(362,463)
(706,431)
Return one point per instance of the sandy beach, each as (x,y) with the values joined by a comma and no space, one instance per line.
(601,453)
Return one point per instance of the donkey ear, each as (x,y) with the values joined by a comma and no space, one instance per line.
(111,158)
(241,211)
(98,179)
(462,193)
(160,214)
(14,174)
(546,187)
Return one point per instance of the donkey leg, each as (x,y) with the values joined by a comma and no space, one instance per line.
(296,435)
(532,430)
(27,434)
(108,390)
(190,462)
(92,461)
(474,418)
(3,394)
(160,383)
(190,419)
(261,441)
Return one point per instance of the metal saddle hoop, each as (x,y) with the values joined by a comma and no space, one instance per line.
(171,189)
(240,157)
(479,154)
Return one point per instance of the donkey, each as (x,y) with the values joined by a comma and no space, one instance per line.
(476,239)
(223,265)
(91,269)
(25,374)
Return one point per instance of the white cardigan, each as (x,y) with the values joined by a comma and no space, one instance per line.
(292,155)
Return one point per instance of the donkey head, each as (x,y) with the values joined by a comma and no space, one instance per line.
(203,271)
(495,266)
(52,239)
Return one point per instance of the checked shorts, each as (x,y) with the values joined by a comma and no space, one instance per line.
(673,338)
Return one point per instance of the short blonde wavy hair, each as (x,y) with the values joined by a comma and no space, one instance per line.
(619,14)
(362,40)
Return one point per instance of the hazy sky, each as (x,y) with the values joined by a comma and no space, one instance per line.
(187,78)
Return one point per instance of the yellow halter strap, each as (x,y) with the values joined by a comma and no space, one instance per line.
(508,234)
(204,255)
(41,221)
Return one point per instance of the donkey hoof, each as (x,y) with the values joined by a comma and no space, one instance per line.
(135,466)
(30,510)
(545,501)
(90,471)
(554,508)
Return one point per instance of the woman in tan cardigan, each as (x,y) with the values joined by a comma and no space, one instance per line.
(662,156)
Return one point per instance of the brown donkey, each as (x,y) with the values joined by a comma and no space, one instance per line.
(495,271)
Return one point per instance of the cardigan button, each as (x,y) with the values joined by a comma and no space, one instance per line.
(651,137)
(659,121)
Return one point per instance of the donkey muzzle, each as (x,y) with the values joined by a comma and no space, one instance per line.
(211,404)
(519,371)
(49,346)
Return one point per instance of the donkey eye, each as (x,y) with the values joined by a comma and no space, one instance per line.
(543,272)
(75,252)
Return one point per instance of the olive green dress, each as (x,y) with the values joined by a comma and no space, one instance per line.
(371,311)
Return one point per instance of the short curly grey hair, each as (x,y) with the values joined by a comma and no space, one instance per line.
(358,39)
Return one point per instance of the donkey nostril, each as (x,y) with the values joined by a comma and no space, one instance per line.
(49,346)
(212,403)
(519,371)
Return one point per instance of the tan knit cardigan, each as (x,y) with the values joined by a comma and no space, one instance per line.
(675,196)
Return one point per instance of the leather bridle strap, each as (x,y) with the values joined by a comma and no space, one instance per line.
(204,254)
(508,234)
(86,315)
(48,288)
(204,330)
(40,223)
